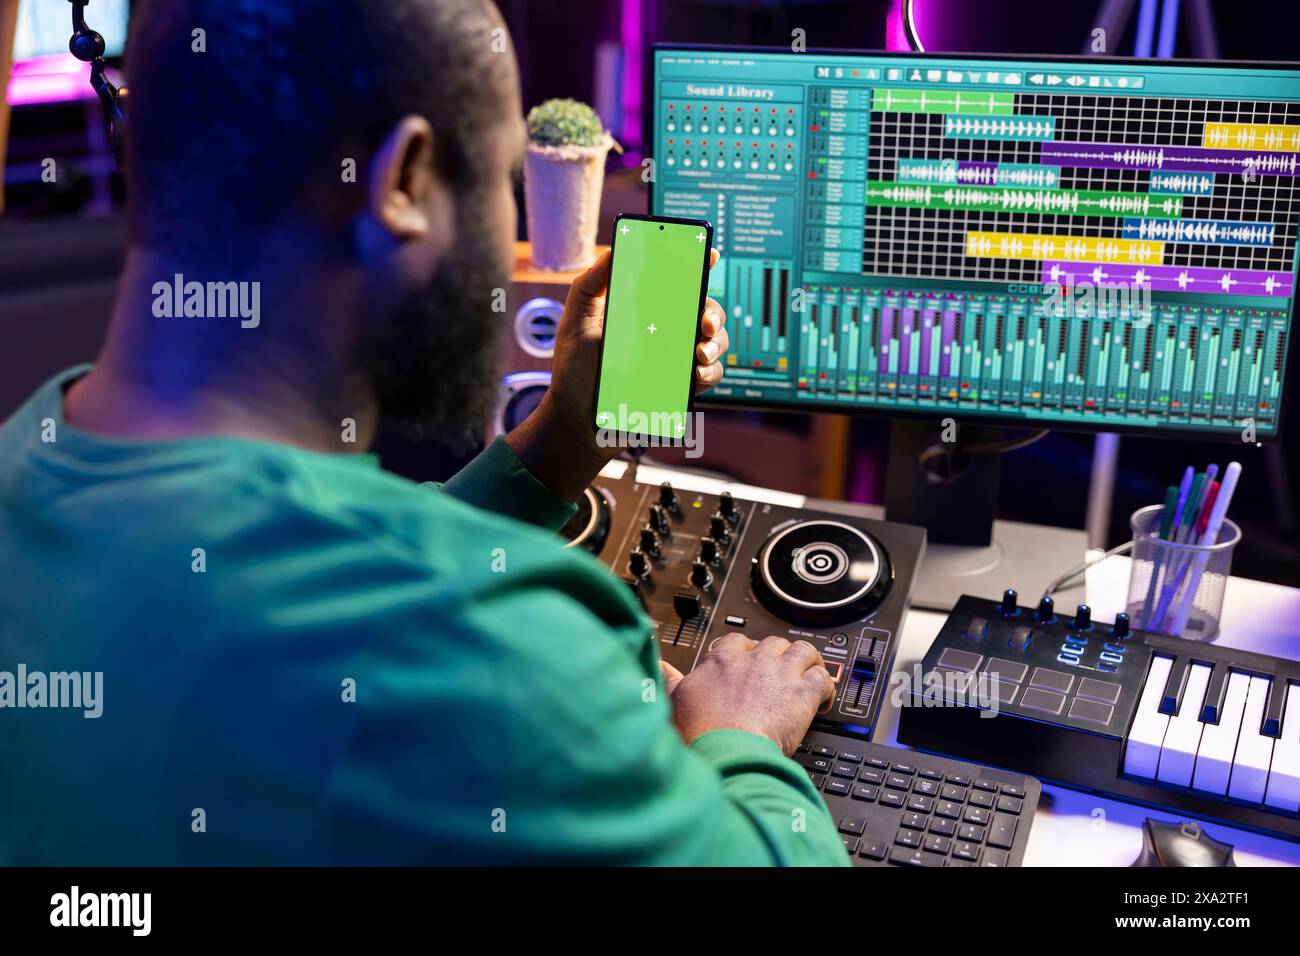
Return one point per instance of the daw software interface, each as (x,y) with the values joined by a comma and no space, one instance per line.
(1074,243)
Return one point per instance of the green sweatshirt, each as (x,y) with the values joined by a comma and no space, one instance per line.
(288,657)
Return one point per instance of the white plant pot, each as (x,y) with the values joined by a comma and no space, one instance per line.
(562,187)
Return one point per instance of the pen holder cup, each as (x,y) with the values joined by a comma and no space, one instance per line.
(1164,571)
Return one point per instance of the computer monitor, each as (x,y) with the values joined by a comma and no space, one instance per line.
(1074,242)
(44,28)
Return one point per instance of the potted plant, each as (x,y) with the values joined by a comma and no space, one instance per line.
(564,173)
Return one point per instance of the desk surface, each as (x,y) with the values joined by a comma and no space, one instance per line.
(1072,828)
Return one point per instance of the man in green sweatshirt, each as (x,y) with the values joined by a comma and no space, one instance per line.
(286,655)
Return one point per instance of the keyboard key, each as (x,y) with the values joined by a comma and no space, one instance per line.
(871,775)
(1002,831)
(954,792)
(817,764)
(953,861)
(1183,736)
(847,771)
(958,779)
(850,843)
(865,793)
(840,787)
(989,785)
(1219,741)
(920,804)
(1147,733)
(946,808)
(852,825)
(906,769)
(907,837)
(1012,791)
(1254,752)
(1284,772)
(994,858)
(880,763)
(816,779)
(897,781)
(822,750)
(973,814)
(914,857)
(936,844)
(966,851)
(892,798)
(980,798)
(1010,804)
(971,833)
(926,787)
(849,756)
(914,821)
(930,773)
(943,826)
(872,849)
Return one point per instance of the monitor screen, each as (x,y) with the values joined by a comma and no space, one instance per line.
(44,28)
(1074,242)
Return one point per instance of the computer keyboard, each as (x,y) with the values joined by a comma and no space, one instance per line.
(905,808)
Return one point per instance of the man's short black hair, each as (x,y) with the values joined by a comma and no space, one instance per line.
(234,139)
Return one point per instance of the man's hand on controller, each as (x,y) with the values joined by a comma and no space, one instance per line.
(557,442)
(771,687)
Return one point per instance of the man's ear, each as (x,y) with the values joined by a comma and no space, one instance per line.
(402,182)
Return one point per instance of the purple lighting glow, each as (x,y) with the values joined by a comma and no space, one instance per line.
(630,34)
(59,78)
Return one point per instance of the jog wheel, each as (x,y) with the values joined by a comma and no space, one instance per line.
(821,573)
(589,526)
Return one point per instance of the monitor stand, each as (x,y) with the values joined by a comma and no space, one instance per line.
(968,551)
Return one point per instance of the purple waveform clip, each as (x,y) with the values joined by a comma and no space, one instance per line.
(1183,159)
(1174,278)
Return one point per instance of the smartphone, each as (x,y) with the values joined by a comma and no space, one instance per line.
(659,273)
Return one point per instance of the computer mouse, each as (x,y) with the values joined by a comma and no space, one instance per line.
(1181,844)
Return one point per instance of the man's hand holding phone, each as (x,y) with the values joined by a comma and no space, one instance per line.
(557,441)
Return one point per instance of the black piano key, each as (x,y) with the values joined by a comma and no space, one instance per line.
(1273,706)
(1173,695)
(1212,709)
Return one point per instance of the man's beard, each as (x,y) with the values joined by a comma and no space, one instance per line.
(434,366)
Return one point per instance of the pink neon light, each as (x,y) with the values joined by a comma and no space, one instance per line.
(58,78)
(631,36)
(895,37)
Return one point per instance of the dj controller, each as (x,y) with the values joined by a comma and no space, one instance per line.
(705,565)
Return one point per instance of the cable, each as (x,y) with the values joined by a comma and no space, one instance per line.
(949,452)
(1075,571)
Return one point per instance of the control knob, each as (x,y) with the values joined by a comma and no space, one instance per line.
(638,564)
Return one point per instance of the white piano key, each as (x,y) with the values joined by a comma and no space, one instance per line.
(1254,750)
(1183,736)
(1284,773)
(1142,749)
(1219,741)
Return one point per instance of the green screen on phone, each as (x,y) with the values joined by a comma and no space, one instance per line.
(651,320)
